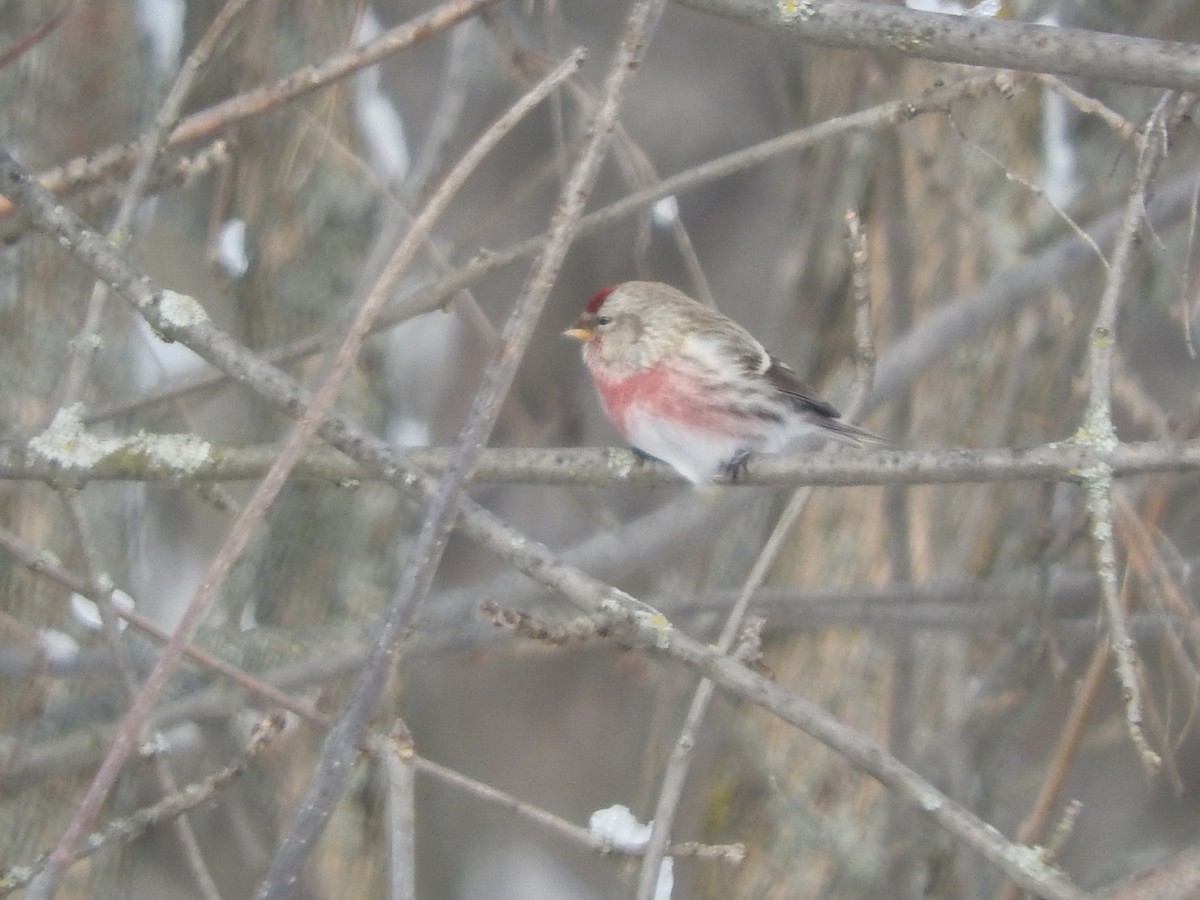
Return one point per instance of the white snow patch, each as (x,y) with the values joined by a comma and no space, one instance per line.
(85,612)
(161,359)
(665,212)
(161,21)
(231,248)
(666,880)
(983,9)
(405,431)
(379,121)
(58,646)
(617,826)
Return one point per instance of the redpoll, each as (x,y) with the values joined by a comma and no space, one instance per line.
(687,385)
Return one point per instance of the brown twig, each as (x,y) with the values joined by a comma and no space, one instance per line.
(101,592)
(1089,106)
(38,561)
(169,809)
(37,34)
(333,770)
(310,421)
(147,151)
(1037,190)
(214,120)
(435,296)
(1069,739)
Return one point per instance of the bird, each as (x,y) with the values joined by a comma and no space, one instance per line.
(688,385)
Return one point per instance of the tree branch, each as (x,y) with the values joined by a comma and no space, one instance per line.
(974,41)
(1062,461)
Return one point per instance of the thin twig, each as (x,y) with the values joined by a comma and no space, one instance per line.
(396,754)
(1097,429)
(333,770)
(101,593)
(1069,739)
(169,809)
(1089,106)
(37,34)
(447,115)
(1037,190)
(42,563)
(147,151)
(434,296)
(220,117)
(310,421)
(1187,306)
(903,700)
(564,828)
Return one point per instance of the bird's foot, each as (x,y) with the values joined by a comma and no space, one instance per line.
(641,456)
(738,467)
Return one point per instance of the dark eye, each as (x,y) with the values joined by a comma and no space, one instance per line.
(603,320)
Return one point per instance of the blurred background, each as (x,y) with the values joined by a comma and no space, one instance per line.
(956,625)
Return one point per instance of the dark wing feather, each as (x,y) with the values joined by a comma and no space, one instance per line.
(805,397)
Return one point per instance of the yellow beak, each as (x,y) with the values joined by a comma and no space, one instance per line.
(579,333)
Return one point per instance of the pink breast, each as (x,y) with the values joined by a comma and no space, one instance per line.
(670,395)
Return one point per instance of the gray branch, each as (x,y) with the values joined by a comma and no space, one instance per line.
(608,466)
(973,41)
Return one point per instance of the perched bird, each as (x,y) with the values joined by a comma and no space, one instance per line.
(688,385)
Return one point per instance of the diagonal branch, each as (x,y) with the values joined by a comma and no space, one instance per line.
(333,770)
(220,117)
(310,420)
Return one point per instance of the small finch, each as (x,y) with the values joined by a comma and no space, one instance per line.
(688,385)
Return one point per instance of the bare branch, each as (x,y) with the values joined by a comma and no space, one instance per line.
(974,41)
(333,771)
(1097,429)
(137,823)
(208,123)
(134,459)
(311,418)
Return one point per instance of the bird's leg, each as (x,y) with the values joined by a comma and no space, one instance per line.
(738,466)
(642,456)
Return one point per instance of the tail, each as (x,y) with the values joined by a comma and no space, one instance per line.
(845,432)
